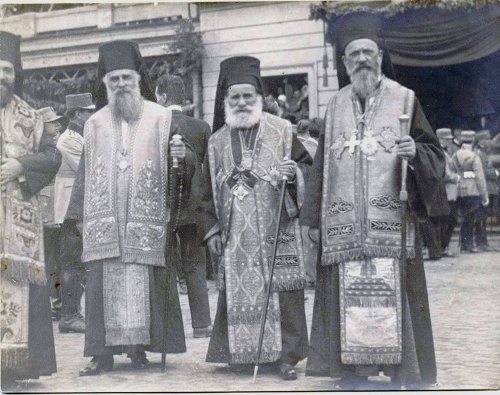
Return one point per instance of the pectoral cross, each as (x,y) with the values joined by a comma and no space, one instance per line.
(352,143)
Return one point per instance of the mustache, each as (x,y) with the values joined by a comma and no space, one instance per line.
(364,66)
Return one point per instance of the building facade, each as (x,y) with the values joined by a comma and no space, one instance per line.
(63,44)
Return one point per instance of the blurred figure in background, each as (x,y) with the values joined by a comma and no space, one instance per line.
(79,108)
(191,265)
(472,190)
(53,125)
(451,180)
(482,148)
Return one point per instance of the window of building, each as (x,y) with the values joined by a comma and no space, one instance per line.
(291,92)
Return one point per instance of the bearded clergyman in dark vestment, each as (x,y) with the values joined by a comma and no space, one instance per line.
(121,194)
(248,155)
(29,162)
(361,326)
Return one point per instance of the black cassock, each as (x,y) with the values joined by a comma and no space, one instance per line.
(427,197)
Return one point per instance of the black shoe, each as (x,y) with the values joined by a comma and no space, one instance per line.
(97,365)
(288,372)
(471,250)
(139,360)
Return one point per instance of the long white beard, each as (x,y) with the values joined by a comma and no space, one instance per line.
(126,104)
(364,82)
(243,120)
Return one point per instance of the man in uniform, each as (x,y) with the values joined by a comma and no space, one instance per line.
(53,125)
(248,155)
(359,326)
(451,179)
(79,108)
(472,190)
(29,161)
(191,266)
(121,194)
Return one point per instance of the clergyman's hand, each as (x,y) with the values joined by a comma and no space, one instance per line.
(406,148)
(314,235)
(79,226)
(215,245)
(178,149)
(486,201)
(288,169)
(10,170)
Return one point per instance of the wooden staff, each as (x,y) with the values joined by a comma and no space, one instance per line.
(269,283)
(404,121)
(171,239)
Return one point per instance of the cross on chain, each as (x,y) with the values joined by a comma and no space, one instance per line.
(352,143)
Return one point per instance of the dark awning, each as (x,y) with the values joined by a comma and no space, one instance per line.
(428,33)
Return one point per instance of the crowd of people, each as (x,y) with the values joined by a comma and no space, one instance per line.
(123,195)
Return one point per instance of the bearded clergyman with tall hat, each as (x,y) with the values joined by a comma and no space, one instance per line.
(248,155)
(29,162)
(122,194)
(361,326)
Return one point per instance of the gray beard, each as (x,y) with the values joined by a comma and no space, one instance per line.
(243,120)
(6,93)
(126,105)
(364,82)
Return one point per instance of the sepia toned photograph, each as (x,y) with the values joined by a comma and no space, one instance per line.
(250,196)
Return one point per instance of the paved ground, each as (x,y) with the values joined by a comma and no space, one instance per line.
(464,295)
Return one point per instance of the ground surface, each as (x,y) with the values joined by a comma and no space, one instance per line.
(464,295)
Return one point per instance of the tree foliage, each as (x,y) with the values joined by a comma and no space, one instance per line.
(183,56)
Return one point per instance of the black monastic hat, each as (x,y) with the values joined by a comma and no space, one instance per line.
(236,70)
(10,51)
(117,55)
(354,26)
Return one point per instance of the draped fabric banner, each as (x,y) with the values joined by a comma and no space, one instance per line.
(430,38)
(433,36)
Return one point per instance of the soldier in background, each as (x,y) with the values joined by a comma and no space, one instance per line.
(53,125)
(482,148)
(451,180)
(79,108)
(472,190)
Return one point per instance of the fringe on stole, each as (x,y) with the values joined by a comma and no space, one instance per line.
(372,251)
(367,358)
(251,317)
(21,268)
(249,357)
(277,286)
(288,285)
(99,253)
(15,357)
(143,258)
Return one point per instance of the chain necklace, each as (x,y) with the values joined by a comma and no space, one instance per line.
(246,148)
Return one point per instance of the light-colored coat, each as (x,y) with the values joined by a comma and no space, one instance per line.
(70,144)
(451,178)
(470,170)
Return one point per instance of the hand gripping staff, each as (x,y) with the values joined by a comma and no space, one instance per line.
(171,239)
(271,271)
(404,122)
